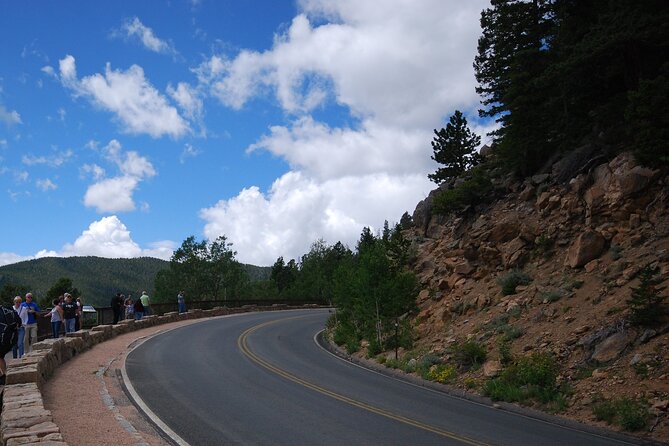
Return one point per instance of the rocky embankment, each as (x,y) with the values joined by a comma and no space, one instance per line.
(580,242)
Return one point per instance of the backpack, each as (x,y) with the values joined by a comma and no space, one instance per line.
(9,327)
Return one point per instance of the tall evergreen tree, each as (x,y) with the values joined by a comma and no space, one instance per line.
(455,148)
(513,52)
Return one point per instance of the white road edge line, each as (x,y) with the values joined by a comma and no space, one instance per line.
(573,429)
(140,402)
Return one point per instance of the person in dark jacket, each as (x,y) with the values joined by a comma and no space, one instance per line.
(117,306)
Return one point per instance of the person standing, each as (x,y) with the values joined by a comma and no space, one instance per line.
(129,308)
(31,327)
(80,314)
(139,309)
(56,318)
(117,305)
(181,300)
(146,303)
(17,350)
(8,333)
(70,310)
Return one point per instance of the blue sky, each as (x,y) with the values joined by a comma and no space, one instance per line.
(127,126)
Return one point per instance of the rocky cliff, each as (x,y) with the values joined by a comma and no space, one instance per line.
(576,237)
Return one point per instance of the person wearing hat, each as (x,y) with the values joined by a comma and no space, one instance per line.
(146,303)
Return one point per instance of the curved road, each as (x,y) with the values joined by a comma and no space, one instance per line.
(259,378)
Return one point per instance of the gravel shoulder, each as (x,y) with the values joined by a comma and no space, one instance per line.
(87,400)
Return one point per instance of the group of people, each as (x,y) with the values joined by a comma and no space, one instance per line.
(125,308)
(18,329)
(66,310)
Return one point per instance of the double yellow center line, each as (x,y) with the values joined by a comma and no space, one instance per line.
(242,343)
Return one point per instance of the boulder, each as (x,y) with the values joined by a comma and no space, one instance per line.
(491,368)
(464,268)
(611,347)
(503,232)
(513,253)
(588,246)
(527,193)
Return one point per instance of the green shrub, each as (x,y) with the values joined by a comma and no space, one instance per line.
(538,369)
(425,363)
(550,296)
(630,414)
(543,245)
(501,390)
(374,348)
(504,348)
(352,345)
(471,382)
(476,189)
(393,363)
(614,310)
(641,370)
(499,323)
(530,377)
(470,354)
(515,311)
(511,332)
(345,336)
(605,411)
(584,371)
(511,280)
(461,307)
(571,284)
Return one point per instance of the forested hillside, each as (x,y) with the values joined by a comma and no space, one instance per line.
(96,278)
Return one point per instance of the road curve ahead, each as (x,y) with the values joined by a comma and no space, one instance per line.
(260,379)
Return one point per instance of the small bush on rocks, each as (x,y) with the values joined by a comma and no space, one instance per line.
(530,377)
(470,354)
(511,280)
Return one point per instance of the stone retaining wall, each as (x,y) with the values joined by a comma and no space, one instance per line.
(24,420)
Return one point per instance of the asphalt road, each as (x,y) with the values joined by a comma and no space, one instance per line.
(260,379)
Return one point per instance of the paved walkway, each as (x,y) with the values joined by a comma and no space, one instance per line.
(87,401)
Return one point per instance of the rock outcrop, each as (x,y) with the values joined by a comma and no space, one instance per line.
(581,231)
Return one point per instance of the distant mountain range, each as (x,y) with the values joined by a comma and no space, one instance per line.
(96,278)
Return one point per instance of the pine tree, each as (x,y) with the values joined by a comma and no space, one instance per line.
(513,53)
(646,305)
(455,148)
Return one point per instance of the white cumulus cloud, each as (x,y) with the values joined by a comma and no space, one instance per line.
(395,72)
(116,194)
(108,237)
(298,210)
(130,96)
